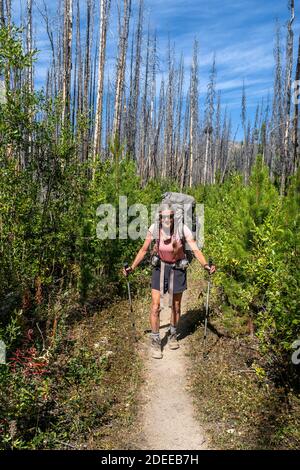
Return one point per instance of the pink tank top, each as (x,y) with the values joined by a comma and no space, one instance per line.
(165,244)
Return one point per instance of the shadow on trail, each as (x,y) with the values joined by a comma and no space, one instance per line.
(148,330)
(191,320)
(188,324)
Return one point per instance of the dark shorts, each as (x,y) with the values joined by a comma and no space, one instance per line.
(180,279)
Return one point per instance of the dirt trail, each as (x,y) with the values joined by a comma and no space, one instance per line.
(166,419)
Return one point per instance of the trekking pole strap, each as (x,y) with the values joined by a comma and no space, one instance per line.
(171,288)
(161,282)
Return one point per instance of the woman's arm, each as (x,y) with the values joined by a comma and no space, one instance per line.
(140,255)
(142,252)
(200,256)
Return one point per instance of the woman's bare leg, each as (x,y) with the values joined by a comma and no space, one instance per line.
(175,316)
(155,311)
(176,309)
(154,322)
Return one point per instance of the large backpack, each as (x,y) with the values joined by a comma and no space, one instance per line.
(184,213)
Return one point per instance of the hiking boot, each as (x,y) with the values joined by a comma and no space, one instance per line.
(172,341)
(156,348)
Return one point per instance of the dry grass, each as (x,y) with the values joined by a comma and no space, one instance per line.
(238,405)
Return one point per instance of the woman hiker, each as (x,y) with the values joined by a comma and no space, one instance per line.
(170,249)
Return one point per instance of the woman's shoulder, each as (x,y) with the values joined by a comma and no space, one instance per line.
(151,229)
(187,233)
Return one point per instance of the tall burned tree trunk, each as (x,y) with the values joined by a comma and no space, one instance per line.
(29,79)
(74,91)
(168,144)
(179,117)
(185,144)
(7,16)
(226,132)
(296,113)
(133,106)
(108,113)
(8,12)
(79,87)
(145,115)
(244,150)
(121,63)
(158,132)
(287,98)
(2,13)
(104,14)
(86,83)
(193,112)
(67,59)
(29,43)
(53,83)
(152,157)
(277,122)
(208,129)
(216,160)
(93,88)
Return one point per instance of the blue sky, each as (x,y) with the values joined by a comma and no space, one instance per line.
(240,32)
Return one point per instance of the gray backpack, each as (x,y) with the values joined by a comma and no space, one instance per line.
(183,206)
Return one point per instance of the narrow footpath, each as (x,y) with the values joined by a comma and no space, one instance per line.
(166,418)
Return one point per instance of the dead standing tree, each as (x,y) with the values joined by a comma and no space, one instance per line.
(178,134)
(285,168)
(152,156)
(244,163)
(121,63)
(2,13)
(194,108)
(185,144)
(8,12)
(208,125)
(86,82)
(296,113)
(67,59)
(79,76)
(29,44)
(168,135)
(277,121)
(145,116)
(135,85)
(163,137)
(216,157)
(104,18)
(25,156)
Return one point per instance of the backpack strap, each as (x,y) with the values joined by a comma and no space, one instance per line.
(182,237)
(162,284)
(156,239)
(171,287)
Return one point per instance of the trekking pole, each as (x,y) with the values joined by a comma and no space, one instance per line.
(207,311)
(131,309)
